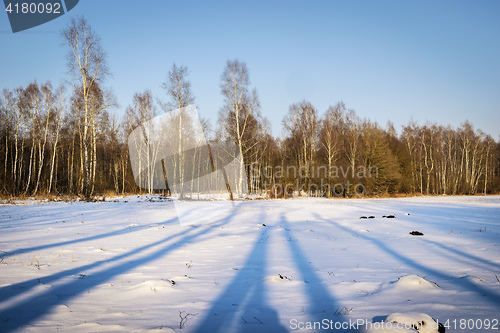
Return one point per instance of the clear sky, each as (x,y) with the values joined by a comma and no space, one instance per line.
(436,61)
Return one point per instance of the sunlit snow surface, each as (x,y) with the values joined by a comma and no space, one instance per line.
(127,265)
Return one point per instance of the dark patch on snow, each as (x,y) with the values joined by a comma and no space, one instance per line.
(441,328)
(158,199)
(392,216)
(416,233)
(172,282)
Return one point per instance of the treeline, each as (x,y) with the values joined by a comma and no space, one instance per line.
(339,154)
(65,140)
(49,144)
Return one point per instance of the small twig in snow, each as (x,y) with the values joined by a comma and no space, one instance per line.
(184,318)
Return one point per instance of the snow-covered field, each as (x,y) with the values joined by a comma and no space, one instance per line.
(267,266)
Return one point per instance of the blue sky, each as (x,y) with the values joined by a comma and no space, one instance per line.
(436,61)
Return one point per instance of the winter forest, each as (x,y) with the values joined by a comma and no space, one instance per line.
(69,139)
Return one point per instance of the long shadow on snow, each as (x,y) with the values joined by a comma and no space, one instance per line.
(22,287)
(321,302)
(23,313)
(80,240)
(247,289)
(52,213)
(465,283)
(449,214)
(457,252)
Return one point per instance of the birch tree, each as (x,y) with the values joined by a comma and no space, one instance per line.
(239,113)
(300,125)
(6,121)
(33,103)
(178,89)
(43,127)
(57,124)
(330,137)
(87,66)
(139,114)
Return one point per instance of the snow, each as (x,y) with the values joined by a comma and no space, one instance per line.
(419,321)
(302,264)
(415,282)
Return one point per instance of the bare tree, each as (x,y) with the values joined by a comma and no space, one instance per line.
(428,142)
(6,118)
(239,116)
(330,137)
(300,125)
(178,89)
(32,109)
(351,134)
(57,124)
(140,115)
(87,66)
(48,101)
